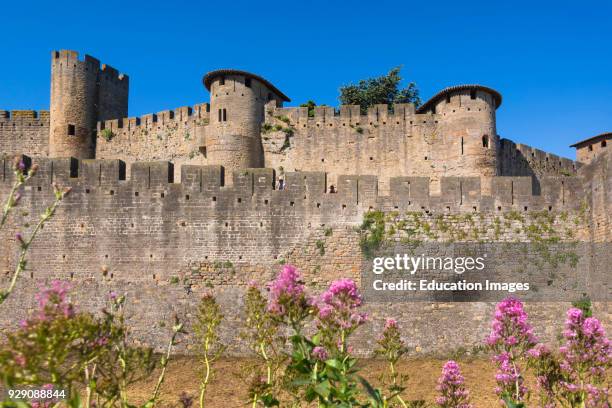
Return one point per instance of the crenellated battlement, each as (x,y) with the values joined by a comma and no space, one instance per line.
(304,190)
(517,156)
(24,115)
(71,59)
(381,114)
(199,112)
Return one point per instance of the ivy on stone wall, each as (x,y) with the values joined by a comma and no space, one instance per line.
(542,230)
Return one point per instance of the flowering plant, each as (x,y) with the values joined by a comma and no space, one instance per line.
(74,350)
(510,338)
(453,393)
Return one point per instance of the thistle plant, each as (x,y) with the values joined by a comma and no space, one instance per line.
(510,338)
(453,393)
(391,347)
(209,346)
(262,334)
(22,176)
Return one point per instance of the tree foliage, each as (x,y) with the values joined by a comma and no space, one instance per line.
(378,90)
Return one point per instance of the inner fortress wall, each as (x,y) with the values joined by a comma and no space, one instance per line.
(24,131)
(168,135)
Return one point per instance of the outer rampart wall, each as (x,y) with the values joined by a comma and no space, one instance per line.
(167,243)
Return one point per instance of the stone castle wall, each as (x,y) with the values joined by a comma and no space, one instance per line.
(167,135)
(24,132)
(136,230)
(382,143)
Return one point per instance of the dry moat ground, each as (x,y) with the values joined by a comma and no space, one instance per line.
(229,390)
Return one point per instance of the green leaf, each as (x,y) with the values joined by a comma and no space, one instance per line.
(510,402)
(334,363)
(323,389)
(372,393)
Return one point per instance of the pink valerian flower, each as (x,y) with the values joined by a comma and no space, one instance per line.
(319,353)
(510,326)
(253,284)
(390,323)
(453,393)
(509,378)
(597,397)
(338,306)
(287,297)
(52,301)
(19,359)
(510,337)
(586,355)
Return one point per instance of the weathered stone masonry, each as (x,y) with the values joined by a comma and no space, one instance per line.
(183,202)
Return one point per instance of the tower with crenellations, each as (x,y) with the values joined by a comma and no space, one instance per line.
(82,94)
(237,104)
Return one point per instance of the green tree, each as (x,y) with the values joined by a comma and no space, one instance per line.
(311,107)
(378,90)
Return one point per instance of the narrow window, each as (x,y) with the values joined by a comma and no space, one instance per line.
(461,145)
(71,130)
(222,81)
(224,115)
(590,148)
(220,115)
(604,143)
(269,96)
(203,151)
(485,141)
(447,98)
(472,94)
(247,82)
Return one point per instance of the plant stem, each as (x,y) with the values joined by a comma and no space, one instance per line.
(204,383)
(9,201)
(164,364)
(25,245)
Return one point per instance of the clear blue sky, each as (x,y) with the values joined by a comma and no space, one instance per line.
(552,61)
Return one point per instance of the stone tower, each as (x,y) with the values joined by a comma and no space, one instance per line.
(237,103)
(466,115)
(82,93)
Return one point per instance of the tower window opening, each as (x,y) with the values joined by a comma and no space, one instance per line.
(447,98)
(220,115)
(604,143)
(485,141)
(222,81)
(590,148)
(472,94)
(71,130)
(224,115)
(270,96)
(461,145)
(203,151)
(247,82)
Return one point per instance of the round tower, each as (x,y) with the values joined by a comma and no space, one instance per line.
(73,105)
(467,125)
(82,93)
(237,104)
